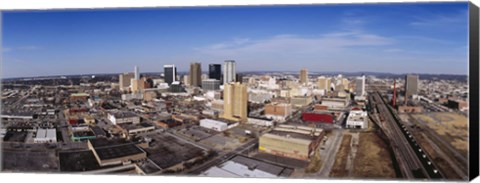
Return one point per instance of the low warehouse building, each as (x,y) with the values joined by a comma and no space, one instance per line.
(301,101)
(112,153)
(123,117)
(260,121)
(132,129)
(291,141)
(278,111)
(335,103)
(317,117)
(82,133)
(214,125)
(241,166)
(46,136)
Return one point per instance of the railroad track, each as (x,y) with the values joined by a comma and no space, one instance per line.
(416,164)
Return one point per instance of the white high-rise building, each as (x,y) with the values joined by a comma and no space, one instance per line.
(229,72)
(137,73)
(360,86)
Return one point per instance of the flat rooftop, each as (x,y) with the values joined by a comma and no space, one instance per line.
(292,135)
(124,114)
(103,142)
(77,161)
(79,95)
(280,160)
(277,170)
(166,150)
(98,131)
(135,126)
(83,134)
(117,151)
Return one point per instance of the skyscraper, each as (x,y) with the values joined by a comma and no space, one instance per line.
(195,74)
(346,83)
(186,80)
(137,84)
(303,76)
(411,86)
(215,71)
(170,72)
(360,86)
(125,80)
(322,83)
(137,73)
(235,102)
(229,72)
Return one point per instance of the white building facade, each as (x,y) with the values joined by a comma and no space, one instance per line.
(357,119)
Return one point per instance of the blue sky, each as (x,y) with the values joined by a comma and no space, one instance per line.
(397,38)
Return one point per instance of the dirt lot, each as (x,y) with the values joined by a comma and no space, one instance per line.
(452,127)
(338,169)
(442,164)
(373,159)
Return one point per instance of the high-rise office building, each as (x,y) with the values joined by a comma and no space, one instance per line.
(137,84)
(229,72)
(170,73)
(360,86)
(322,83)
(195,74)
(137,73)
(346,84)
(186,80)
(239,78)
(124,80)
(148,82)
(211,84)
(235,102)
(411,86)
(215,71)
(303,76)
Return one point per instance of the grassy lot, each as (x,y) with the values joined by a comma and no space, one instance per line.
(338,169)
(372,159)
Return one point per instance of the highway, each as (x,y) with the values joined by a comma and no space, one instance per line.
(415,163)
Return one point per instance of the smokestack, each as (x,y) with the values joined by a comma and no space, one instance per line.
(137,74)
(394,98)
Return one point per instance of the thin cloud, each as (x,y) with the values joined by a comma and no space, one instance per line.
(20,48)
(393,50)
(6,49)
(441,20)
(331,42)
(415,38)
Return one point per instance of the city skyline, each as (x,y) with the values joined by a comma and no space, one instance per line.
(403,38)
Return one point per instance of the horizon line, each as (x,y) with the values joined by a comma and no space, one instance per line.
(316,72)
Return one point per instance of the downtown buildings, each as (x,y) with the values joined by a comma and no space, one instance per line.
(303,76)
(170,73)
(229,72)
(215,71)
(235,102)
(360,86)
(195,75)
(411,86)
